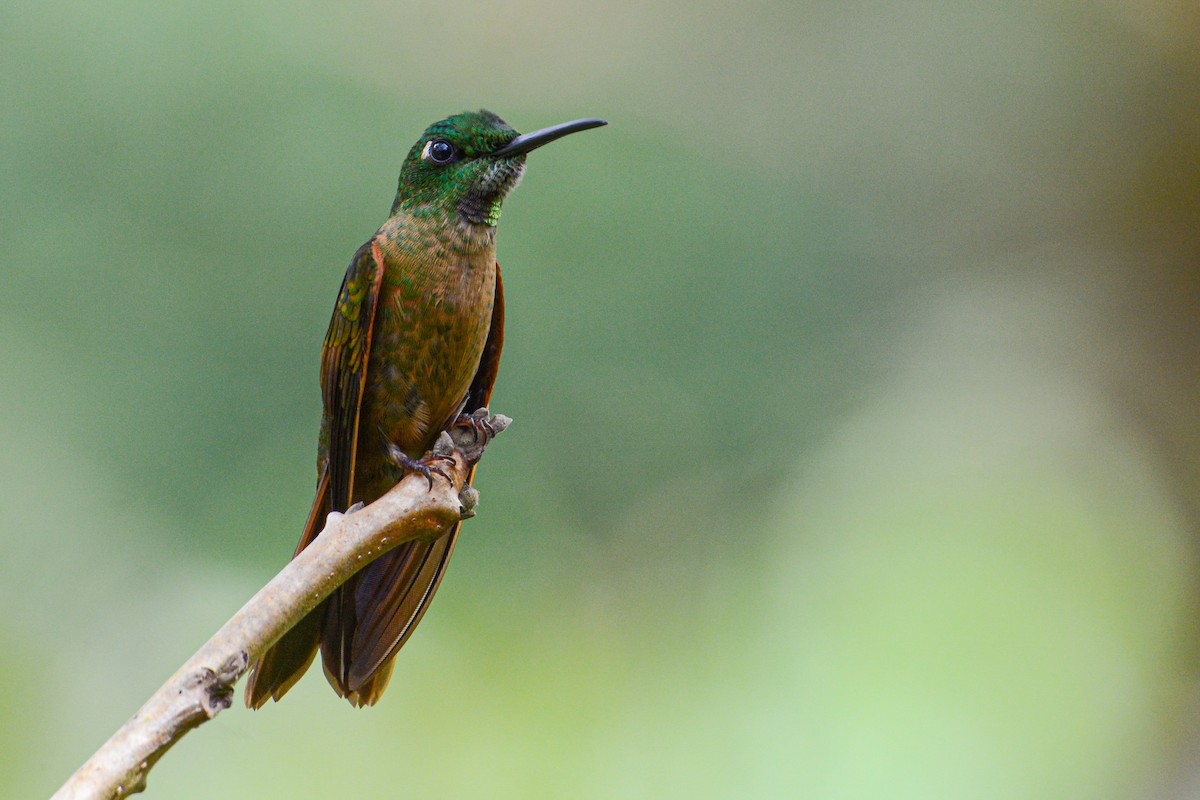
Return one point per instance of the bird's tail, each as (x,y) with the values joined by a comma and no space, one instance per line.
(286,661)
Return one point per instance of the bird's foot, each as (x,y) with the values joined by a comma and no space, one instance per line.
(482,425)
(472,432)
(467,436)
(426,466)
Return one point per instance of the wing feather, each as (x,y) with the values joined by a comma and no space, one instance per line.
(344,367)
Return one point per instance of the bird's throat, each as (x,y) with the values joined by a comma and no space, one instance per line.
(481,209)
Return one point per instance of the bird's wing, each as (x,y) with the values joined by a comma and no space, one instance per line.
(344,368)
(343,375)
(393,592)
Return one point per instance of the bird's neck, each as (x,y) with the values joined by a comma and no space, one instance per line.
(445,229)
(427,235)
(432,228)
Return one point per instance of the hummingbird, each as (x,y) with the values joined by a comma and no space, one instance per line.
(413,347)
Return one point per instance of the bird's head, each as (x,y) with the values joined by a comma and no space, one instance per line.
(466,165)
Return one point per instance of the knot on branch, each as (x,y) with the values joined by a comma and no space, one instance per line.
(216,686)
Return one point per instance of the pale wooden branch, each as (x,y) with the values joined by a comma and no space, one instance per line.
(203,686)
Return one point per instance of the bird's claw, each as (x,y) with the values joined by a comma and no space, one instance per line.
(426,466)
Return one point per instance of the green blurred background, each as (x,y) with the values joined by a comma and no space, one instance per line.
(854,365)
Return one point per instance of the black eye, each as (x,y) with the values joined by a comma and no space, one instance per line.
(441,152)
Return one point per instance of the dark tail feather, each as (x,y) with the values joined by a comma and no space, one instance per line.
(286,661)
(375,612)
(337,635)
(372,689)
(284,664)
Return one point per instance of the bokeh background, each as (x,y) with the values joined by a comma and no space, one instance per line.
(854,365)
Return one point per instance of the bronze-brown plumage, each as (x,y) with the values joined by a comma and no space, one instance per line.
(414,342)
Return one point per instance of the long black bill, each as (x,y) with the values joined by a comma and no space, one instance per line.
(529,141)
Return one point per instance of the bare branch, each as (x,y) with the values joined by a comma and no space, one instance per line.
(203,686)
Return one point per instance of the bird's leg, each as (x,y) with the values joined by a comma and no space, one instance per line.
(427,465)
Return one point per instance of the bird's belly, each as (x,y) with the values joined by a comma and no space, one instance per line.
(425,353)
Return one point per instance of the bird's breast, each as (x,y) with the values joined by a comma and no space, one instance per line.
(430,330)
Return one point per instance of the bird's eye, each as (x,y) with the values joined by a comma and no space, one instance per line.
(439,151)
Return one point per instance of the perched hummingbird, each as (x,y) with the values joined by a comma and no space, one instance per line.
(413,346)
